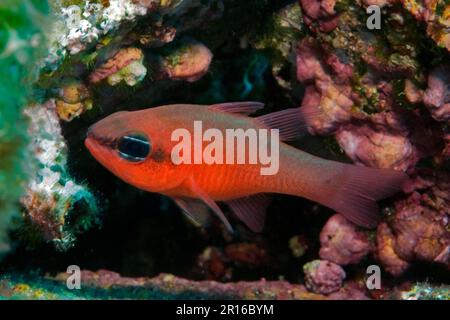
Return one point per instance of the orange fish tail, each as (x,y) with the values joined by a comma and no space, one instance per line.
(348,189)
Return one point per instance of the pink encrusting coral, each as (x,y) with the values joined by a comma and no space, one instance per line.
(342,242)
(386,254)
(323,277)
(190,62)
(437,96)
(418,230)
(321,13)
(328,93)
(435,14)
(381,140)
(385,111)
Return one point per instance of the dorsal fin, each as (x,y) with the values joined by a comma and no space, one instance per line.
(245,108)
(292,123)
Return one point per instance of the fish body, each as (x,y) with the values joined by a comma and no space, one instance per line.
(350,189)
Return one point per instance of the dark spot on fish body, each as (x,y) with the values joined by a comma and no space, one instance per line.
(159,156)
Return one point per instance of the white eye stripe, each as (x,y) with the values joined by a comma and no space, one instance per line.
(137,140)
(134,147)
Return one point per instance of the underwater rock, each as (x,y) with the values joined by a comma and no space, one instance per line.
(250,255)
(418,229)
(380,3)
(219,264)
(426,291)
(150,4)
(446,151)
(126,65)
(420,225)
(436,15)
(299,245)
(364,88)
(413,94)
(166,285)
(73,99)
(20,47)
(320,13)
(212,265)
(342,242)
(385,253)
(107,285)
(332,99)
(381,140)
(323,277)
(81,26)
(437,96)
(189,62)
(157,36)
(54,203)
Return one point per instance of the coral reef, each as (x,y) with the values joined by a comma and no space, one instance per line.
(126,66)
(424,291)
(20,35)
(342,242)
(437,95)
(54,202)
(436,15)
(109,285)
(323,277)
(418,230)
(377,98)
(73,99)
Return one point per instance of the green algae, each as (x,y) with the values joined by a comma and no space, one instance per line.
(19,36)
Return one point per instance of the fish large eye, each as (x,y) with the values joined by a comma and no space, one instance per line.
(134,147)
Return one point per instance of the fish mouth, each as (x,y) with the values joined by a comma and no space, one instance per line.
(100,148)
(105,141)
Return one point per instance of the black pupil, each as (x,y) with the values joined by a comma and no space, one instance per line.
(134,147)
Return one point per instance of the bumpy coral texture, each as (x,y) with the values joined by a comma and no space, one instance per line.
(20,25)
(437,95)
(323,277)
(342,242)
(381,141)
(419,228)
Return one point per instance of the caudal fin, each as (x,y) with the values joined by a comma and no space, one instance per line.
(354,191)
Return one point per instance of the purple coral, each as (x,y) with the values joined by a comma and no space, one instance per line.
(420,225)
(386,254)
(331,99)
(320,13)
(342,242)
(381,140)
(419,228)
(437,96)
(323,277)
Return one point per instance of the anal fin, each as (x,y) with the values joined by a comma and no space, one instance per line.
(251,210)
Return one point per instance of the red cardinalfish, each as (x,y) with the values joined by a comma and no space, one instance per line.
(137,147)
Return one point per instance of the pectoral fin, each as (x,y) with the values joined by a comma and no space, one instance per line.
(196,211)
(202,195)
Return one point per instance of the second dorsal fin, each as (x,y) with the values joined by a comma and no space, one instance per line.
(245,108)
(290,122)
